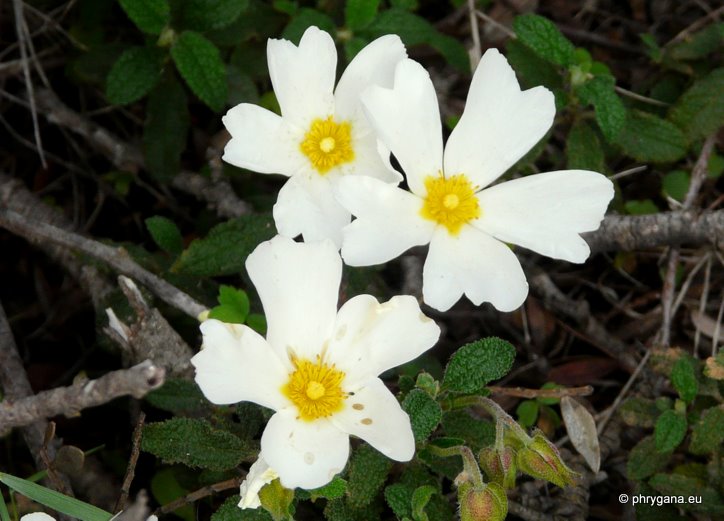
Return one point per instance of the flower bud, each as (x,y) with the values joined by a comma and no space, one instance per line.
(499,465)
(541,459)
(486,503)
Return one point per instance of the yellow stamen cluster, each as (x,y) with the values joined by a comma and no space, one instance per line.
(450,201)
(315,388)
(328,144)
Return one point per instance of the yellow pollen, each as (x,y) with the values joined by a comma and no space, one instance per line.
(450,201)
(328,144)
(315,388)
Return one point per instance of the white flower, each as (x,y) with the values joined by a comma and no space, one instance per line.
(467,226)
(322,134)
(260,474)
(317,367)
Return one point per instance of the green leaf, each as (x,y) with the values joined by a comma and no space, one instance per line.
(165,487)
(707,435)
(639,412)
(648,138)
(527,412)
(55,500)
(203,15)
(193,442)
(304,19)
(583,148)
(4,514)
(167,123)
(474,365)
(178,396)
(680,485)
(230,511)
(360,13)
(610,110)
(425,413)
(150,16)
(683,378)
(399,498)
(669,431)
(700,110)
(134,74)
(335,489)
(675,184)
(644,460)
(257,322)
(277,500)
(367,473)
(543,37)
(224,250)
(199,62)
(234,305)
(420,498)
(165,234)
(477,433)
(699,44)
(641,207)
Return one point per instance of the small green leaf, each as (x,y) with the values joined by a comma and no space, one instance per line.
(234,305)
(367,473)
(360,13)
(4,514)
(527,412)
(648,138)
(257,322)
(683,378)
(639,412)
(199,62)
(224,250)
(583,149)
(178,396)
(474,365)
(165,487)
(477,433)
(699,44)
(165,234)
(335,489)
(420,498)
(700,110)
(193,442)
(669,431)
(425,413)
(707,435)
(610,110)
(644,460)
(203,15)
(134,74)
(55,500)
(305,18)
(543,37)
(675,184)
(399,497)
(641,207)
(230,511)
(150,16)
(277,500)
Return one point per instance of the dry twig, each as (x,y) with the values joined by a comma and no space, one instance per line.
(520,392)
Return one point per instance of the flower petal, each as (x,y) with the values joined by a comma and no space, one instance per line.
(306,205)
(371,158)
(407,120)
(369,338)
(388,221)
(304,454)
(547,212)
(260,474)
(298,284)
(373,65)
(500,123)
(303,77)
(37,516)
(375,415)
(261,141)
(476,264)
(236,364)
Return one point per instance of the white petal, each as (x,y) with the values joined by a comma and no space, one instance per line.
(260,474)
(500,123)
(261,141)
(303,77)
(37,516)
(388,221)
(236,364)
(407,120)
(373,65)
(547,212)
(369,338)
(375,415)
(298,284)
(304,454)
(476,264)
(306,205)
(371,158)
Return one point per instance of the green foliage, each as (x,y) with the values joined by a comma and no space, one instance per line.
(700,110)
(583,149)
(335,489)
(233,305)
(55,500)
(193,442)
(649,138)
(707,435)
(134,74)
(675,184)
(610,110)
(639,412)
(224,250)
(681,485)
(150,16)
(305,18)
(199,62)
(532,70)
(230,511)
(669,431)
(359,13)
(165,487)
(203,15)
(477,433)
(641,207)
(683,378)
(367,473)
(543,37)
(277,501)
(699,44)
(165,234)
(475,364)
(399,498)
(644,460)
(4,514)
(420,498)
(527,412)
(424,412)
(178,396)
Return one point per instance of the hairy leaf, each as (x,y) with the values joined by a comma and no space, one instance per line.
(134,74)
(475,364)
(700,110)
(543,37)
(367,473)
(424,412)
(649,138)
(669,431)
(165,234)
(199,62)
(150,16)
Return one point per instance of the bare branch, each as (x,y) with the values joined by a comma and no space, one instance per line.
(521,392)
(217,194)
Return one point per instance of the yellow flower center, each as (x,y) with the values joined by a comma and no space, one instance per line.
(315,388)
(450,201)
(328,144)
